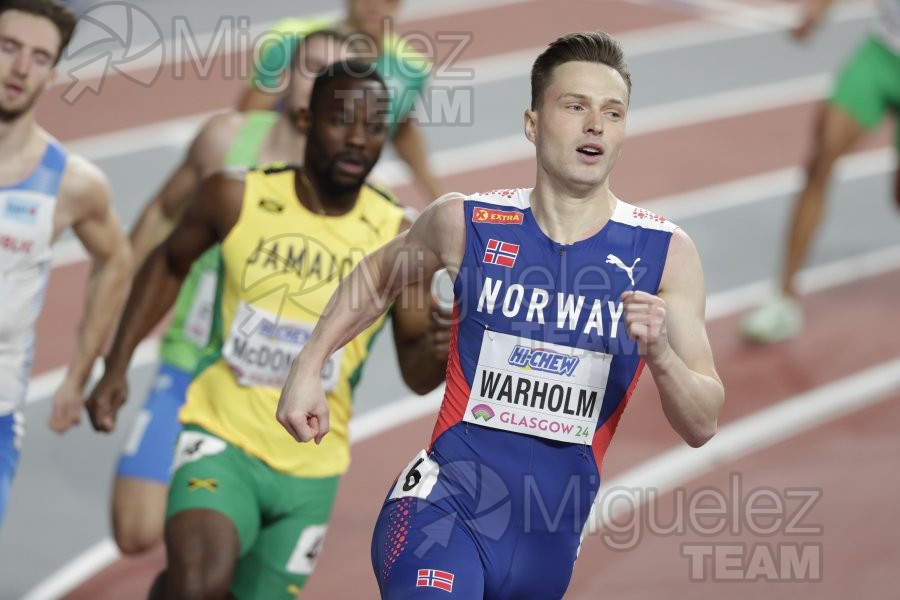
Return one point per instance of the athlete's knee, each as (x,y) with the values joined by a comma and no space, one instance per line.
(135,537)
(197,582)
(138,514)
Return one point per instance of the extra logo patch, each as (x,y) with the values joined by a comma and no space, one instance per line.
(501,253)
(496,217)
(442,580)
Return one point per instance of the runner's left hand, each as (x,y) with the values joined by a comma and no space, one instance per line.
(645,322)
(68,403)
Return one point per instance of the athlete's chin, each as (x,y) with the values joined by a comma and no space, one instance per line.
(342,182)
(10,111)
(588,178)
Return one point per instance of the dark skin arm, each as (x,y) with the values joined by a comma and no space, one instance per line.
(421,336)
(208,219)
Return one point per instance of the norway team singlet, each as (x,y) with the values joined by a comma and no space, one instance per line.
(26,234)
(539,373)
(280,265)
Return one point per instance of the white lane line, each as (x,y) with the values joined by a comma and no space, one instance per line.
(73,573)
(762,429)
(43,386)
(492,153)
(733,438)
(733,14)
(757,188)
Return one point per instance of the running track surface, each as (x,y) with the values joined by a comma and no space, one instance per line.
(846,462)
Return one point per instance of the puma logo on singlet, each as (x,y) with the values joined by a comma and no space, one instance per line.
(615,260)
(193,448)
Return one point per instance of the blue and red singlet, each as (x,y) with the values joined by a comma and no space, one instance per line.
(540,370)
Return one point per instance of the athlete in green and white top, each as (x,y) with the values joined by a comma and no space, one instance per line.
(228,139)
(404,70)
(865,91)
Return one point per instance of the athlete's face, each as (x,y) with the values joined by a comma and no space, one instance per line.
(579,128)
(346,128)
(314,56)
(28,48)
(369,15)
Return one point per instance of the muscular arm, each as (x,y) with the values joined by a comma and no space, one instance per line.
(85,204)
(206,153)
(421,336)
(671,332)
(206,220)
(411,149)
(435,240)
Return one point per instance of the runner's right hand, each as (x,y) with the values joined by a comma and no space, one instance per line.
(302,408)
(106,399)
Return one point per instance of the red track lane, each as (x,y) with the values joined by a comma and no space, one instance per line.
(124,103)
(847,463)
(755,378)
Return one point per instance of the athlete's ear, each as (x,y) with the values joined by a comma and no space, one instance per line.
(304,121)
(530,124)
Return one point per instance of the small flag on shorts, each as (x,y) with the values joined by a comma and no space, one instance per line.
(501,253)
(435,578)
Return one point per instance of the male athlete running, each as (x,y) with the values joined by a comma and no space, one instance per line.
(563,294)
(44,191)
(247,510)
(227,139)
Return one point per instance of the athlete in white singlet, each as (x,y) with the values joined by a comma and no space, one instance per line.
(43,192)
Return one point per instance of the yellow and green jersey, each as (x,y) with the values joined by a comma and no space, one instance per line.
(189,329)
(280,265)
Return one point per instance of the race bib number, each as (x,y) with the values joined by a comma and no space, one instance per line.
(306,552)
(260,349)
(198,323)
(538,388)
(417,479)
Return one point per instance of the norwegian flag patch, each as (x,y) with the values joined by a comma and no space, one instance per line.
(434,578)
(501,253)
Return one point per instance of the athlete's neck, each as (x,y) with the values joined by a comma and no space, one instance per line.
(315,198)
(570,215)
(283,143)
(22,144)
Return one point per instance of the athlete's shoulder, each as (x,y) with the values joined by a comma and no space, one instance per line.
(221,129)
(635,216)
(276,168)
(380,191)
(518,198)
(84,183)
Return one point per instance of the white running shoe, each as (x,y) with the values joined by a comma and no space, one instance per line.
(779,319)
